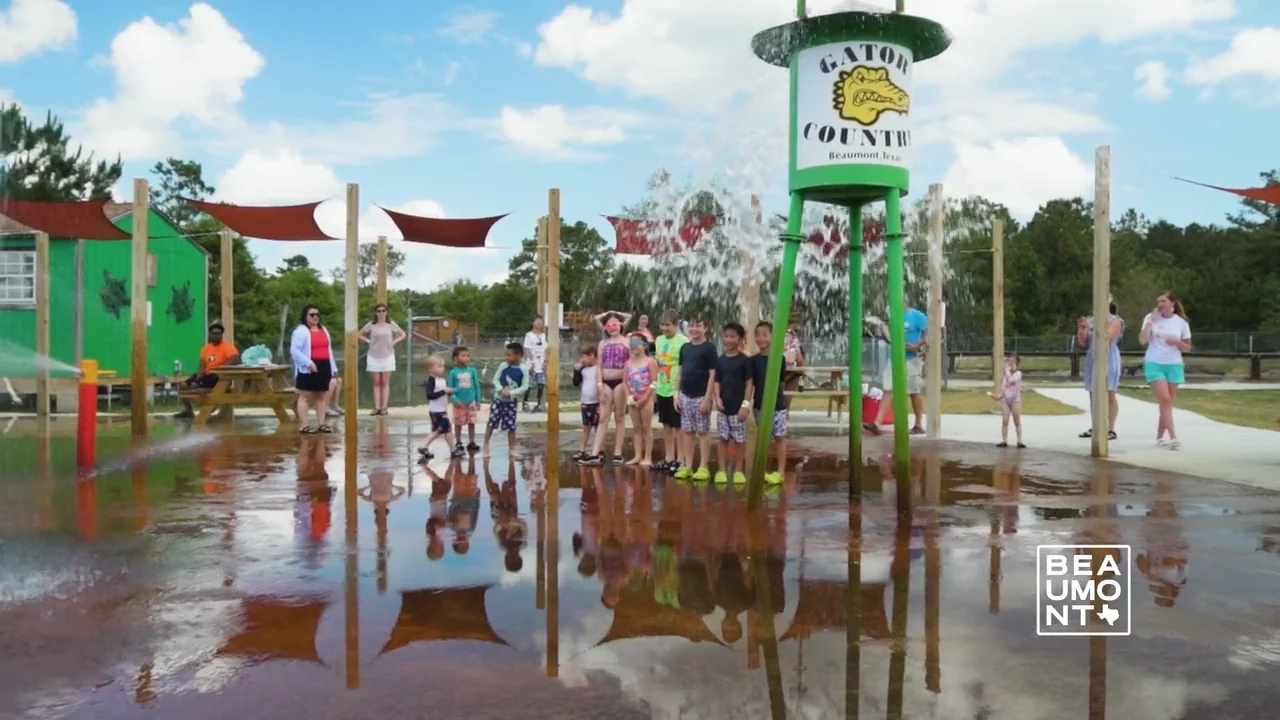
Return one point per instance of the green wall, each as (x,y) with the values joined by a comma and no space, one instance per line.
(106,335)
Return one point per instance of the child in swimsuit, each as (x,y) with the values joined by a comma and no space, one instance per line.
(1010,398)
(613,354)
(642,371)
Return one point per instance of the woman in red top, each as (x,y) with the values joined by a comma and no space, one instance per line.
(311,350)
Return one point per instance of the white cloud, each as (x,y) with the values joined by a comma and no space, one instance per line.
(282,177)
(1153,77)
(550,130)
(968,118)
(8,98)
(193,70)
(1003,85)
(471,27)
(1022,174)
(387,126)
(29,27)
(697,55)
(1253,52)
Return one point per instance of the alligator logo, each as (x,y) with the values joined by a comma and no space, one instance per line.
(863,94)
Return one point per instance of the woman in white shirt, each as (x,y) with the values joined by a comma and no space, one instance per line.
(1167,335)
(535,354)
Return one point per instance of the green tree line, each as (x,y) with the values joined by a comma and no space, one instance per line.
(1228,274)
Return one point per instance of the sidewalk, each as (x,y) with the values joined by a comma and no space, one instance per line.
(1210,449)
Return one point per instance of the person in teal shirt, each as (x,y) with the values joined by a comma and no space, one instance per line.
(465,382)
(916,327)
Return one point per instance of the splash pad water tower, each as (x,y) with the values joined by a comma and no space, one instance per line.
(850,146)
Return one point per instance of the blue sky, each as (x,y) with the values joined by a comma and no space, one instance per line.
(477,109)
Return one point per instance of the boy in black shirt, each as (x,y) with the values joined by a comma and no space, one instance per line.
(760,374)
(734,384)
(695,385)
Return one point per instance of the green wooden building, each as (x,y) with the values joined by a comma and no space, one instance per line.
(89,288)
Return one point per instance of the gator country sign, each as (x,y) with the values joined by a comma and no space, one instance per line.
(853,104)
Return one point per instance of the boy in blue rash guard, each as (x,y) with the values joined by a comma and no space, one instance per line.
(510,383)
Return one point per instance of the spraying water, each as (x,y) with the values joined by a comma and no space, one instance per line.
(19,361)
(175,447)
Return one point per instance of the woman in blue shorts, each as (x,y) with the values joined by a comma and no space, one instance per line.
(1167,334)
(1084,336)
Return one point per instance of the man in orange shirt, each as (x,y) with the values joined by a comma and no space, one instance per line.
(216,353)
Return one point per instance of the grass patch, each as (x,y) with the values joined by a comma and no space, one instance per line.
(967,401)
(1247,408)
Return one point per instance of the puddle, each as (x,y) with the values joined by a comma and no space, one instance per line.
(202,583)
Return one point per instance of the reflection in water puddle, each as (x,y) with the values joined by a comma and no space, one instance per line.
(202,585)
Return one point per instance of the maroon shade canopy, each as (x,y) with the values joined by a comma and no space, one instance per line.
(451,613)
(276,628)
(1269,194)
(824,604)
(78,220)
(285,222)
(459,233)
(646,237)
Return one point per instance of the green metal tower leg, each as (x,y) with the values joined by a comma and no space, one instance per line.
(898,347)
(855,350)
(781,318)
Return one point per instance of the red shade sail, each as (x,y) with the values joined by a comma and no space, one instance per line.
(1269,194)
(452,613)
(284,222)
(79,220)
(646,237)
(277,629)
(459,233)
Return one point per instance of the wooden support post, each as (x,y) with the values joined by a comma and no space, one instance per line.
(351,328)
(42,325)
(997,304)
(552,319)
(1101,297)
(933,356)
(552,503)
(138,310)
(380,294)
(78,313)
(227,263)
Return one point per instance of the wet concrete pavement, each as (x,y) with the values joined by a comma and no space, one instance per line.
(240,575)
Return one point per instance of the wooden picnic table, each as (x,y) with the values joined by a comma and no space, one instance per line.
(836,396)
(244,385)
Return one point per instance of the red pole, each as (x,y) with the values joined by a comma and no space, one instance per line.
(87,415)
